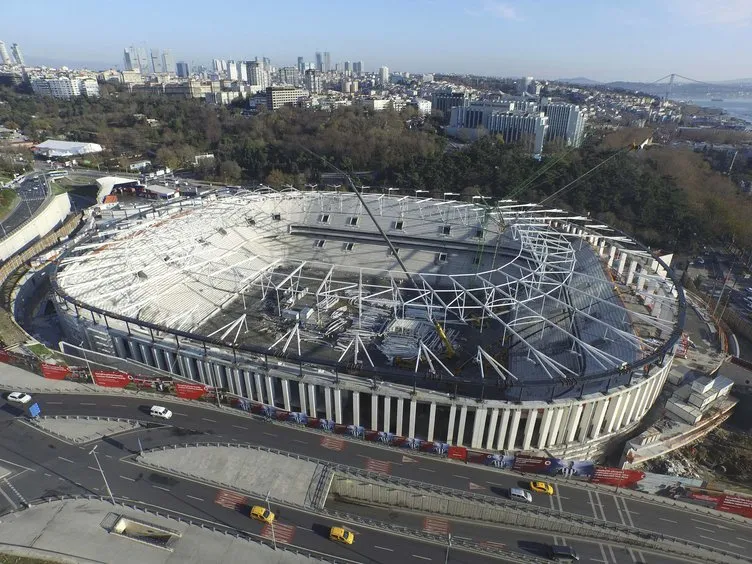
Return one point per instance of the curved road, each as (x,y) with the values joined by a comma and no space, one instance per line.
(182,495)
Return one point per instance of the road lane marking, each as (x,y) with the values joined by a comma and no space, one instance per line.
(711,524)
(66,459)
(706,530)
(299,441)
(383,548)
(207,419)
(459,476)
(92,468)
(270,434)
(240,427)
(19,465)
(127,478)
(421,557)
(745,540)
(53,402)
(87,403)
(48,475)
(181,414)
(194,497)
(160,488)
(668,520)
(118,405)
(425,469)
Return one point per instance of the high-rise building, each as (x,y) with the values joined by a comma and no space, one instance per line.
(183,70)
(129,64)
(168,62)
(445,100)
(4,57)
(64,87)
(219,66)
(358,68)
(301,65)
(319,62)
(242,71)
(16,50)
(257,75)
(327,61)
(348,68)
(289,75)
(313,81)
(232,70)
(156,63)
(143,60)
(384,76)
(565,121)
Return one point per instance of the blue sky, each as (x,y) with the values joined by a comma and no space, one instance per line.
(599,39)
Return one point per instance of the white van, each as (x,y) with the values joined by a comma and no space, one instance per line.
(161,412)
(520,495)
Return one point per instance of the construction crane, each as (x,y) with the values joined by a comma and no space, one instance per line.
(450,352)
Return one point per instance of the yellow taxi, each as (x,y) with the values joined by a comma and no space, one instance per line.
(340,534)
(262,514)
(542,487)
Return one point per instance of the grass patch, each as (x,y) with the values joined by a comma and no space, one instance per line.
(7,199)
(13,559)
(44,354)
(58,188)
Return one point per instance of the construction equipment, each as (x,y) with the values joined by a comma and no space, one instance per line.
(444,339)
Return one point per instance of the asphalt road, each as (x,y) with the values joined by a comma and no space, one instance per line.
(226,427)
(32,191)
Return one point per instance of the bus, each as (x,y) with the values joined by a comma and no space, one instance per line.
(57,174)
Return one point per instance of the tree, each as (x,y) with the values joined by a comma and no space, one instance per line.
(230,171)
(168,157)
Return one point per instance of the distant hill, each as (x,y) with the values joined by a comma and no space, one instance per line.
(579,80)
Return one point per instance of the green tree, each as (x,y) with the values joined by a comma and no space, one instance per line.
(230,171)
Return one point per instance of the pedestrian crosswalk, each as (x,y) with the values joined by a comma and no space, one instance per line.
(381,466)
(493,545)
(333,443)
(436,525)
(283,533)
(230,499)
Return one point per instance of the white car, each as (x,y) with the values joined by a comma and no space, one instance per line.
(159,411)
(19,397)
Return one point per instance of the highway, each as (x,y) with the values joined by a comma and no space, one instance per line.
(32,191)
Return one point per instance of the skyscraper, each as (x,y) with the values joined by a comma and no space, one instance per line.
(168,62)
(301,65)
(242,71)
(384,76)
(256,74)
(327,61)
(16,50)
(4,57)
(156,63)
(313,81)
(566,122)
(232,70)
(220,66)
(348,68)
(182,69)
(143,61)
(128,63)
(289,75)
(357,68)
(319,62)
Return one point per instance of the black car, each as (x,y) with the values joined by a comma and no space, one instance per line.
(562,553)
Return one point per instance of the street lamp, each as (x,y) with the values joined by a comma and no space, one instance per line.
(449,545)
(455,194)
(417,192)
(109,491)
(271,523)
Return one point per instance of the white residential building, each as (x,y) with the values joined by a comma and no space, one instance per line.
(565,121)
(65,87)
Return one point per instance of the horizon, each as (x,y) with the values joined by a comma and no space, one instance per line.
(482,37)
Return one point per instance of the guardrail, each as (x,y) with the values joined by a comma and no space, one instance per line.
(603,529)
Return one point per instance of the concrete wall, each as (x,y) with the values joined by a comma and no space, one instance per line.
(52,214)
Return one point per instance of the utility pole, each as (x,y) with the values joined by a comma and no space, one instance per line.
(109,491)
(269,508)
(449,546)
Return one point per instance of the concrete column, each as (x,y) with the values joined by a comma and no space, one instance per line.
(629,401)
(532,416)
(461,430)
(400,410)
(585,421)
(641,279)
(450,427)
(601,246)
(611,255)
(479,427)
(338,406)
(631,271)
(431,421)
(548,414)
(553,437)
(622,262)
(573,423)
(302,395)
(567,413)
(312,412)
(492,429)
(269,390)
(387,414)
(503,426)
(645,399)
(248,384)
(356,408)
(600,414)
(286,394)
(411,428)
(159,358)
(259,388)
(614,406)
(638,393)
(328,402)
(516,416)
(374,412)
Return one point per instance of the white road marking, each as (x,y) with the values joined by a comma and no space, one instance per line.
(92,468)
(108,455)
(181,414)
(240,427)
(127,478)
(54,403)
(383,548)
(87,403)
(270,434)
(421,557)
(66,459)
(299,441)
(706,530)
(19,465)
(711,524)
(5,495)
(48,475)
(160,488)
(425,469)
(668,520)
(745,540)
(207,419)
(118,405)
(194,497)
(458,476)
